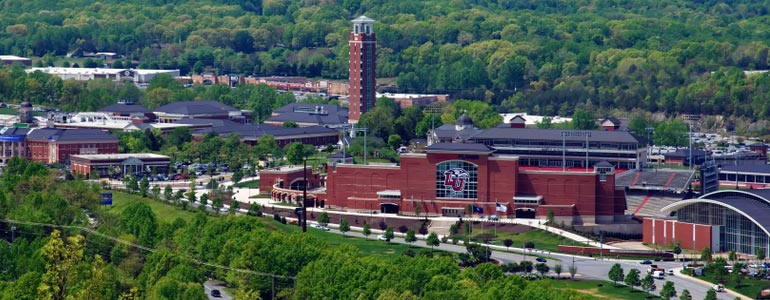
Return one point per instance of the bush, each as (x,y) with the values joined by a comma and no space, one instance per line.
(277,217)
(529,245)
(383,226)
(403,229)
(409,252)
(283,220)
(444,239)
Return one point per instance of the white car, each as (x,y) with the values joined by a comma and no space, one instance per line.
(382,237)
(319,226)
(670,272)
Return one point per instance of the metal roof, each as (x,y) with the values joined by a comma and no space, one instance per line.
(71,135)
(753,168)
(191,108)
(753,204)
(459,147)
(556,135)
(125,108)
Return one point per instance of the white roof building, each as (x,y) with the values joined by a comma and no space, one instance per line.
(137,76)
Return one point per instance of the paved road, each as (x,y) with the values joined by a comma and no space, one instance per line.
(589,268)
(215,285)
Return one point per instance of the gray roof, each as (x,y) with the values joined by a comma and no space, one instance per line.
(459,147)
(254,131)
(14,131)
(125,108)
(681,153)
(192,108)
(555,135)
(71,135)
(321,114)
(753,168)
(448,131)
(211,122)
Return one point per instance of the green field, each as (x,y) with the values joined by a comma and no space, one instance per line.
(749,287)
(369,247)
(163,212)
(252,184)
(8,111)
(607,291)
(543,240)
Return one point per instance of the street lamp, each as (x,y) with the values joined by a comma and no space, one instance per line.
(649,131)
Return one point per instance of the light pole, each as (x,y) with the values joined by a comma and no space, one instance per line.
(303,214)
(649,131)
(564,135)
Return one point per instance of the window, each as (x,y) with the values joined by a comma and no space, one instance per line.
(456,179)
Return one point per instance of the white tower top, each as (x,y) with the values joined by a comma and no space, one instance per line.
(363,25)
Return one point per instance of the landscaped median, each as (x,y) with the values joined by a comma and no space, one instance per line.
(748,285)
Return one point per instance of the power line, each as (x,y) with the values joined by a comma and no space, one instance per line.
(91,231)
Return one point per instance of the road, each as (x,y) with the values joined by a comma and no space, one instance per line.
(215,285)
(588,268)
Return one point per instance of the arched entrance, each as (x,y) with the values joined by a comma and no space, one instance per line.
(388,208)
(525,213)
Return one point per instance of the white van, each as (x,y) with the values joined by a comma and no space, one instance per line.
(658,274)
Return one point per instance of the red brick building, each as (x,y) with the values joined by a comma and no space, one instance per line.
(450,177)
(49,145)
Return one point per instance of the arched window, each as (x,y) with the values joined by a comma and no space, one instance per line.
(456,179)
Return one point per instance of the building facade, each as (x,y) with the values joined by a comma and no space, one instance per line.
(450,177)
(57,145)
(363,51)
(119,164)
(723,221)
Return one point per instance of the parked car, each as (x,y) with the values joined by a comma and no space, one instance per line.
(670,272)
(319,226)
(382,237)
(540,259)
(718,288)
(646,262)
(216,293)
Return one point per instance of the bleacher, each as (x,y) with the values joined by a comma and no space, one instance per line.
(649,190)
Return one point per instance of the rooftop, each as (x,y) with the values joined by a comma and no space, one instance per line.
(192,108)
(459,147)
(121,156)
(556,135)
(70,135)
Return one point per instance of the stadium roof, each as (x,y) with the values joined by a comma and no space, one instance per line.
(556,135)
(753,204)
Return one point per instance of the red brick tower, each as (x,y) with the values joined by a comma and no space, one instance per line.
(363,50)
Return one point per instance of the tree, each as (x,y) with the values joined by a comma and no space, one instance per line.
(289,124)
(410,237)
(632,278)
(732,255)
(133,185)
(648,283)
(168,192)
(389,235)
(432,240)
(583,120)
(296,152)
(508,243)
(323,219)
(394,141)
(705,255)
(244,294)
(367,230)
(191,193)
(557,269)
(685,295)
(204,200)
(616,273)
(737,275)
(572,271)
(668,290)
(234,206)
(711,295)
(156,190)
(61,261)
(417,209)
(677,249)
(217,204)
(344,226)
(761,253)
(144,186)
(542,268)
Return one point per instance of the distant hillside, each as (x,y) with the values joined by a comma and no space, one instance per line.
(545,57)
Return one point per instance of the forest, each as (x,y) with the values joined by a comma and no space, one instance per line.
(544,57)
(49,251)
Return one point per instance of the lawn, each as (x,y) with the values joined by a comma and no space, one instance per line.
(368,247)
(543,240)
(608,290)
(750,286)
(252,184)
(8,111)
(163,212)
